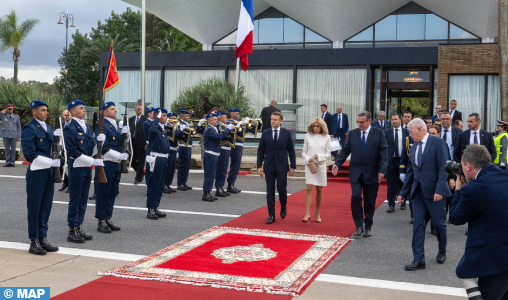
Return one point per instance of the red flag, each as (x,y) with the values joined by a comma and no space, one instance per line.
(112,78)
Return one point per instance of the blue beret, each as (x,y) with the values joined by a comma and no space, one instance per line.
(34,104)
(184,112)
(234,110)
(75,103)
(211,115)
(148,109)
(172,114)
(107,104)
(222,113)
(161,110)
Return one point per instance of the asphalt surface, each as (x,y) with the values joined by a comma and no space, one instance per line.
(382,256)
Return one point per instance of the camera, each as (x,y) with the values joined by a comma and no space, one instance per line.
(453,168)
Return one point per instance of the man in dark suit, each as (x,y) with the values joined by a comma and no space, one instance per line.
(474,135)
(481,204)
(427,184)
(327,117)
(138,143)
(450,134)
(266,114)
(455,114)
(340,127)
(395,138)
(275,146)
(381,123)
(438,113)
(368,149)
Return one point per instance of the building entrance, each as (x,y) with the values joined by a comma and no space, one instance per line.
(400,101)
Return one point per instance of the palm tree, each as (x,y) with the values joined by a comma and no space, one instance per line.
(103,43)
(12,35)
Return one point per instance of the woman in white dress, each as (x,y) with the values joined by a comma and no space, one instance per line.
(316,148)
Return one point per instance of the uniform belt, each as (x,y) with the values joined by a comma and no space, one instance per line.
(212,152)
(183,145)
(173,148)
(158,154)
(239,144)
(226,148)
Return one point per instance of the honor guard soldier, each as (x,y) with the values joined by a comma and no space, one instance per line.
(81,147)
(173,134)
(212,139)
(501,142)
(184,154)
(236,152)
(157,161)
(146,125)
(222,166)
(106,192)
(36,140)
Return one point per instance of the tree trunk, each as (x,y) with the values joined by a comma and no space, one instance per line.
(503,56)
(15,57)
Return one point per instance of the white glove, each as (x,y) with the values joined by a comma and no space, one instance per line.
(125,129)
(98,163)
(240,123)
(101,137)
(58,132)
(246,119)
(230,127)
(182,127)
(55,163)
(123,156)
(120,124)
(201,122)
(402,177)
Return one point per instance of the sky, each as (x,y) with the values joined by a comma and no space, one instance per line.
(40,52)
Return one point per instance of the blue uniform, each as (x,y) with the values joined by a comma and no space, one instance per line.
(148,147)
(173,148)
(222,164)
(36,141)
(236,156)
(211,156)
(159,150)
(78,142)
(106,192)
(184,159)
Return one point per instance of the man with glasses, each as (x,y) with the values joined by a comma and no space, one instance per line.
(438,113)
(381,123)
(10,133)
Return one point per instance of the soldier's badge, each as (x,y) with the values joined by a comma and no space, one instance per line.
(163,135)
(41,140)
(80,133)
(81,142)
(113,138)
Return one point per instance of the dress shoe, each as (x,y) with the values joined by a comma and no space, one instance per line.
(171,190)
(270,220)
(441,257)
(46,246)
(358,231)
(64,186)
(232,189)
(103,227)
(36,248)
(151,214)
(219,193)
(82,233)
(391,209)
(136,182)
(67,190)
(415,265)
(403,206)
(6,165)
(165,190)
(207,197)
(181,187)
(283,213)
(367,233)
(188,187)
(159,213)
(112,226)
(74,236)
(411,221)
(93,197)
(12,165)
(225,192)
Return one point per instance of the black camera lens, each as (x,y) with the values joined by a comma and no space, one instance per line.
(453,168)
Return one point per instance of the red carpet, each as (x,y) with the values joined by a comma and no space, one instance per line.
(336,221)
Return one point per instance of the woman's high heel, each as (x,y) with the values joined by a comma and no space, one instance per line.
(318,218)
(306,219)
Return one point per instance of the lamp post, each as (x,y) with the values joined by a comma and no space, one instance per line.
(67,17)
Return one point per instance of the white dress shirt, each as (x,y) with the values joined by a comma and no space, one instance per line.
(278,133)
(366,134)
(449,139)
(451,113)
(136,121)
(324,114)
(112,121)
(399,144)
(405,126)
(339,117)
(43,124)
(423,142)
(471,137)
(81,122)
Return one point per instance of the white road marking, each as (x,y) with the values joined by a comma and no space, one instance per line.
(375,283)
(185,212)
(12,176)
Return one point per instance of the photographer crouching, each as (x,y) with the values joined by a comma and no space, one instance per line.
(481,201)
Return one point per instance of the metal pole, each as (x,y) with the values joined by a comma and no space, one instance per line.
(143,42)
(66,36)
(237,74)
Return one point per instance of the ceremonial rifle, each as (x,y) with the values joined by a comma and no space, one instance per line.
(56,149)
(100,169)
(125,145)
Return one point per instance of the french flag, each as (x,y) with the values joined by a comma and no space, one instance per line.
(244,35)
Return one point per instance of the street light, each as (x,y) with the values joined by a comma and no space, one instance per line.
(67,17)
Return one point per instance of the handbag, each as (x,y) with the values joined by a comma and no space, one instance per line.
(335,144)
(312,167)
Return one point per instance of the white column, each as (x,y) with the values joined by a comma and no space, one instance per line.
(338,44)
(207,47)
(488,40)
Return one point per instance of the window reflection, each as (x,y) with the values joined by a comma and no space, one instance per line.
(436,28)
(271,31)
(410,27)
(365,35)
(457,33)
(386,29)
(293,31)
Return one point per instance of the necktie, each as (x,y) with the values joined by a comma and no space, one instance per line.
(382,124)
(323,117)
(275,136)
(397,154)
(445,136)
(363,140)
(420,154)
(475,139)
(340,125)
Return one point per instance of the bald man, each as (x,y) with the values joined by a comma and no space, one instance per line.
(266,114)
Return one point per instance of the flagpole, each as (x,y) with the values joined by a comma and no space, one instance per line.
(237,74)
(143,42)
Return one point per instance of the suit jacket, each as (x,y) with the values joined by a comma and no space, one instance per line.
(11,127)
(139,141)
(389,134)
(329,123)
(275,155)
(336,125)
(455,132)
(375,124)
(483,204)
(369,162)
(457,115)
(434,117)
(430,172)
(485,137)
(266,115)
